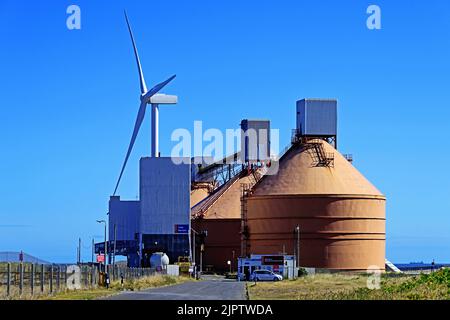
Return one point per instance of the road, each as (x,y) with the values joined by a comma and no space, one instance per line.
(211,288)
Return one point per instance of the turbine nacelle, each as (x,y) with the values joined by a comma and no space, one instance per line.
(161,98)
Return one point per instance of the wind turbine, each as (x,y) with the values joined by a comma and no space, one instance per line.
(147,97)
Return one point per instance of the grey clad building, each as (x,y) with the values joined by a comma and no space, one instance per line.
(160,219)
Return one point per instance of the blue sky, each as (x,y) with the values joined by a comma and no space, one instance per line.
(68,101)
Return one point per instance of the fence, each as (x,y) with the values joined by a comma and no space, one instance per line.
(28,280)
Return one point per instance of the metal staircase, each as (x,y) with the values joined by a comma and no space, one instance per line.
(320,157)
(245,192)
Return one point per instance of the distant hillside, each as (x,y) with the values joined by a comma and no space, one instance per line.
(15,257)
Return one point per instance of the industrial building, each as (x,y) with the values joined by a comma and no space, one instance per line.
(317,206)
(159,220)
(308,202)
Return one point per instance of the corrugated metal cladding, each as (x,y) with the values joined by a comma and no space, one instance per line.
(317,117)
(125,215)
(255,144)
(164,194)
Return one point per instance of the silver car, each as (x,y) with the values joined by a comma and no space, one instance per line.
(265,275)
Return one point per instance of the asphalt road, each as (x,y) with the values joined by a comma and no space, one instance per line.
(211,288)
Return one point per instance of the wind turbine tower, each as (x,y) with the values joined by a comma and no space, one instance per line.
(151,97)
(160,220)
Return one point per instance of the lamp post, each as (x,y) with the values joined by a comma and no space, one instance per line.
(106,245)
(203,235)
(297,230)
(93,251)
(232,262)
(202,248)
(193,245)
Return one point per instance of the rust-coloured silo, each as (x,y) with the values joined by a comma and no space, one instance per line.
(198,195)
(220,215)
(340,214)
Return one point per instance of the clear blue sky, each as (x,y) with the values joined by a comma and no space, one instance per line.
(68,101)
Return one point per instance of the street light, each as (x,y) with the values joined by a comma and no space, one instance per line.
(106,245)
(232,263)
(297,230)
(193,245)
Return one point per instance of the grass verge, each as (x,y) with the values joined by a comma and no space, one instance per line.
(434,286)
(115,288)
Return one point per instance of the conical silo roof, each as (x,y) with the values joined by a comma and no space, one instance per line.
(297,175)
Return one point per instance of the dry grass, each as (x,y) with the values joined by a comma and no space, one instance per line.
(435,286)
(130,285)
(90,294)
(306,288)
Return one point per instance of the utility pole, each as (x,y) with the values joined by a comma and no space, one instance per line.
(193,245)
(297,229)
(232,263)
(106,246)
(203,235)
(79,251)
(93,251)
(202,248)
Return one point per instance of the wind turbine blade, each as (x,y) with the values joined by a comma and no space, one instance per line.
(157,88)
(137,126)
(138,61)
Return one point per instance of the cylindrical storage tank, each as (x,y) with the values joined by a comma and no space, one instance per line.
(159,261)
(341,215)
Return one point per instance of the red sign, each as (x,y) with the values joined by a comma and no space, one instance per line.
(100,258)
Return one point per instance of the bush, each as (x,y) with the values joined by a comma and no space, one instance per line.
(302,272)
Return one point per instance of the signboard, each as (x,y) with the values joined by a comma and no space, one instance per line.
(101,258)
(182,228)
(273,260)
